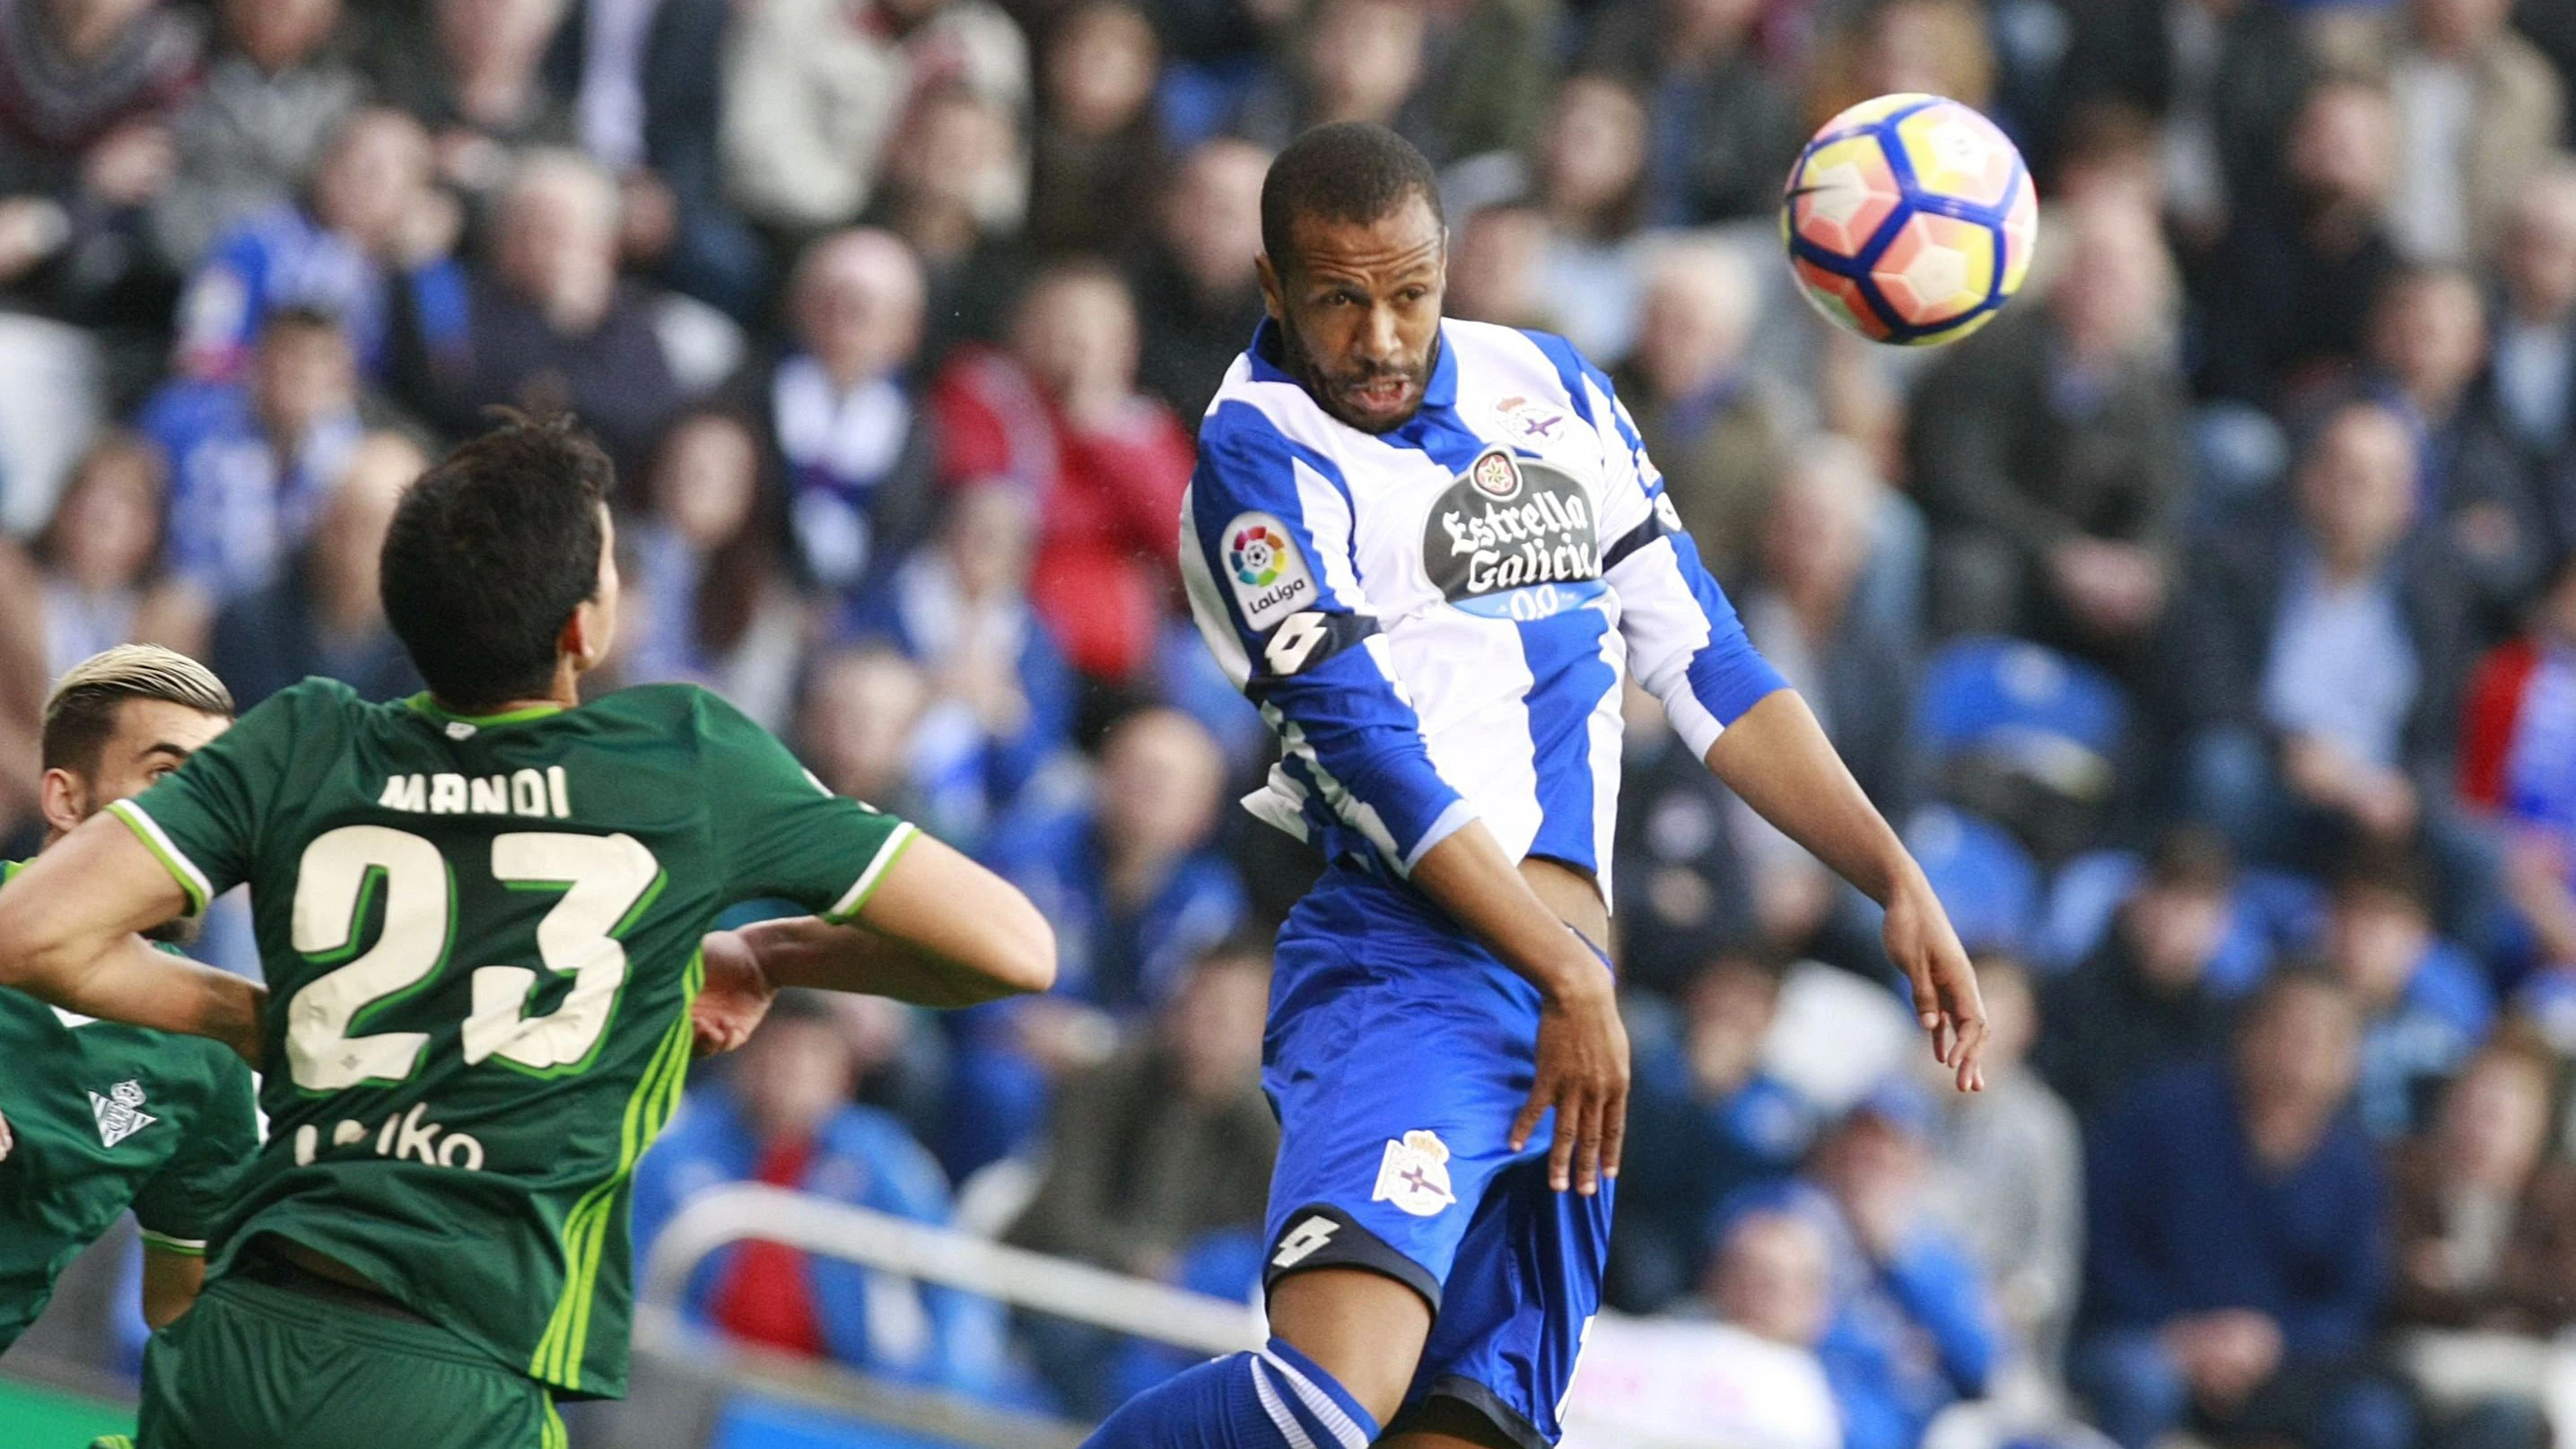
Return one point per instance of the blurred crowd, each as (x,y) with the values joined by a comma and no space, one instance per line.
(2208,622)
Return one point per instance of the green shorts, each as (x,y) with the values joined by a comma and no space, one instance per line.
(256,1365)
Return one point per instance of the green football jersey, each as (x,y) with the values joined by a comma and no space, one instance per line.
(104,1117)
(481,942)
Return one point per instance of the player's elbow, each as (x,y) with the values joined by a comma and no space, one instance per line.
(1022,949)
(34,954)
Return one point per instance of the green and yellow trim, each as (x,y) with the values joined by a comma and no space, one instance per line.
(905,832)
(183,870)
(431,707)
(586,1228)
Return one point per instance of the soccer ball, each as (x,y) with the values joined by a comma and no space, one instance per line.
(1910,219)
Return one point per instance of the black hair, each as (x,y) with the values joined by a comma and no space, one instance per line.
(2388,872)
(1349,171)
(2192,857)
(490,553)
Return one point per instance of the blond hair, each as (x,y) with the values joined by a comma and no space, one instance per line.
(81,713)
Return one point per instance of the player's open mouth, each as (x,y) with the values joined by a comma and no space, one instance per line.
(1380,393)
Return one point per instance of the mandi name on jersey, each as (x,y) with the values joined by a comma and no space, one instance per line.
(546,795)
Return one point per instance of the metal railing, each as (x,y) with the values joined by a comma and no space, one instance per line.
(1141,1307)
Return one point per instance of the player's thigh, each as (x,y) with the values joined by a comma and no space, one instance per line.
(1364,1328)
(255,1367)
(1524,1287)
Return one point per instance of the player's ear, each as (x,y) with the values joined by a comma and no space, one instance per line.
(1270,299)
(64,798)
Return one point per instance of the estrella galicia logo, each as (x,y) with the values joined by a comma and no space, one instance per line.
(1513,538)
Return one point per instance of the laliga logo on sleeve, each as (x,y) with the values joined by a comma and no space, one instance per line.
(1268,574)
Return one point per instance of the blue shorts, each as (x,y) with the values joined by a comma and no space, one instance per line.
(1398,1051)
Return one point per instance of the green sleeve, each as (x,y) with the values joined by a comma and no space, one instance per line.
(779,832)
(181,1203)
(204,819)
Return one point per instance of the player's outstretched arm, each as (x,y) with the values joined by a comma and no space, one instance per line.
(67,936)
(938,930)
(1776,756)
(1582,1046)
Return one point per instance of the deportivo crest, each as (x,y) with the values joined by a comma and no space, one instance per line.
(1528,421)
(1266,570)
(1414,1175)
(1504,525)
(120,1112)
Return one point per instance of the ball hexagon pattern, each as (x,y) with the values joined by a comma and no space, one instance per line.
(1910,219)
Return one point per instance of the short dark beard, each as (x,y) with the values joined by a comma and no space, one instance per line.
(1298,363)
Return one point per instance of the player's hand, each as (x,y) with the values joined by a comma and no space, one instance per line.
(735,997)
(6,1141)
(1583,1074)
(1923,945)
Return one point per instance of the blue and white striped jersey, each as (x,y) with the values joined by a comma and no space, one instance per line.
(1437,621)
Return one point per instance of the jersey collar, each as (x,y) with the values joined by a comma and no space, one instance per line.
(432,708)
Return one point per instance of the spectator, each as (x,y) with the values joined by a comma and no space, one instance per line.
(2484,1226)
(1098,151)
(2424,1005)
(1820,543)
(2428,342)
(1494,268)
(1912,1330)
(1059,414)
(551,326)
(477,81)
(2008,1176)
(2235,1259)
(843,410)
(1938,47)
(783,1116)
(2221,81)
(2518,769)
(368,244)
(1149,1153)
(645,84)
(1589,178)
(1718,1123)
(1717,430)
(2142,1002)
(956,150)
(86,89)
(1136,893)
(1000,706)
(2533,365)
(1358,60)
(99,575)
(1682,893)
(1198,294)
(2321,666)
(710,595)
(322,615)
(1721,130)
(249,139)
(2478,110)
(1748,1380)
(1130,882)
(251,460)
(855,723)
(2281,305)
(2046,452)
(815,92)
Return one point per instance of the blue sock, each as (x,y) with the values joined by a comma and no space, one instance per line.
(1275,1398)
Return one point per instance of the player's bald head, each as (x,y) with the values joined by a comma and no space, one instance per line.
(1350,171)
